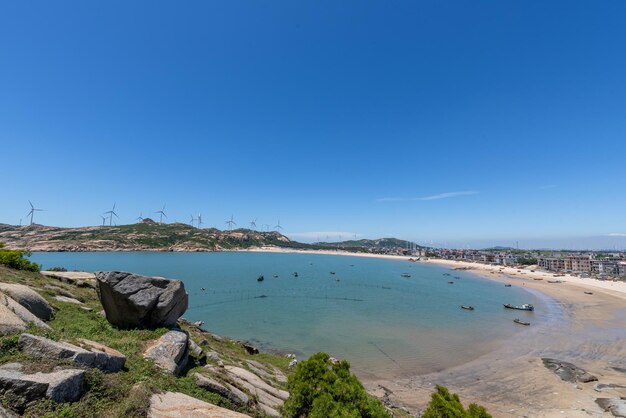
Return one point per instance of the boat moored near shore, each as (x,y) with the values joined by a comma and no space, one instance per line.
(524,307)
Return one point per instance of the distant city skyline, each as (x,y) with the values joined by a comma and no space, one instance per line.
(462,124)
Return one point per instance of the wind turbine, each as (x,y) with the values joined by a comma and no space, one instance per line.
(32,211)
(278,227)
(111,213)
(140,217)
(199,220)
(253,225)
(230,223)
(191,220)
(104,218)
(162,212)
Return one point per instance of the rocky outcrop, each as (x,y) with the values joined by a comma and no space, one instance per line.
(616,406)
(131,300)
(16,318)
(99,356)
(227,391)
(66,299)
(568,371)
(22,389)
(29,299)
(175,405)
(170,352)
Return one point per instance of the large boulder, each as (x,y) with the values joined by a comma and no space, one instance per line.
(29,299)
(178,405)
(131,300)
(225,390)
(21,389)
(96,355)
(616,406)
(170,352)
(16,318)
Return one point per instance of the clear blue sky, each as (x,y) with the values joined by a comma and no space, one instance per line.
(458,122)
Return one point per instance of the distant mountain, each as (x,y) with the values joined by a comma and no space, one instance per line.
(145,236)
(370,244)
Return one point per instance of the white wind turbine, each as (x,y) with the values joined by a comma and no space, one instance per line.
(33,209)
(162,212)
(111,213)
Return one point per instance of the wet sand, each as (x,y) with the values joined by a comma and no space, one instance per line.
(587,330)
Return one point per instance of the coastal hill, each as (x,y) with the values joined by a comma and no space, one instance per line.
(144,236)
(370,244)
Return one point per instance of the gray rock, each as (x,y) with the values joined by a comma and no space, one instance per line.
(601,387)
(21,390)
(131,300)
(66,299)
(227,391)
(568,371)
(170,351)
(98,355)
(213,355)
(194,348)
(175,405)
(5,413)
(616,406)
(23,313)
(29,299)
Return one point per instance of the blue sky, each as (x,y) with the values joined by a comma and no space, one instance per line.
(453,122)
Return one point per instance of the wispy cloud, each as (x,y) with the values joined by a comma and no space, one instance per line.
(548,186)
(616,234)
(433,197)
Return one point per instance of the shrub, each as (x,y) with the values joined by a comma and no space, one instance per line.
(320,389)
(446,405)
(15,259)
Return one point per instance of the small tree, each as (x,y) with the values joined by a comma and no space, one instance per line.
(321,389)
(443,404)
(15,259)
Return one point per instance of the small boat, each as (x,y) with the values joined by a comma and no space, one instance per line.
(588,293)
(295,274)
(260,279)
(450,282)
(555,281)
(507,285)
(203,289)
(537,279)
(517,321)
(276,275)
(524,307)
(332,272)
(469,308)
(457,277)
(405,275)
(446,274)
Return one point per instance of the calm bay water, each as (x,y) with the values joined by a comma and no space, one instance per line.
(384,324)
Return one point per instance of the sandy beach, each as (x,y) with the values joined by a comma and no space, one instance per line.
(588,330)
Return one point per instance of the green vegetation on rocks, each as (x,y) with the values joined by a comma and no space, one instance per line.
(320,388)
(444,404)
(16,259)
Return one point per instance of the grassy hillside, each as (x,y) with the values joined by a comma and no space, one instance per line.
(369,244)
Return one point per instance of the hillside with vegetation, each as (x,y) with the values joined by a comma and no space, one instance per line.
(145,236)
(370,244)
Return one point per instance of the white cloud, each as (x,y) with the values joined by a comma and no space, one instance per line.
(433,197)
(616,234)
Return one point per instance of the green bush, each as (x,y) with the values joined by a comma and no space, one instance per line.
(320,389)
(15,259)
(446,405)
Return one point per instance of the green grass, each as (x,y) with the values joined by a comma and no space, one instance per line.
(125,393)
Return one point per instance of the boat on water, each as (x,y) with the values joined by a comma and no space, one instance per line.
(518,321)
(524,307)
(295,274)
(467,307)
(450,282)
(276,275)
(405,275)
(332,272)
(260,279)
(446,274)
(507,285)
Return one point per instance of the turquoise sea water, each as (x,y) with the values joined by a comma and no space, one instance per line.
(384,324)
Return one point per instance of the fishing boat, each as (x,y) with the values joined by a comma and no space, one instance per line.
(295,274)
(450,282)
(588,293)
(446,274)
(405,275)
(517,321)
(260,279)
(469,308)
(507,285)
(332,272)
(276,275)
(524,307)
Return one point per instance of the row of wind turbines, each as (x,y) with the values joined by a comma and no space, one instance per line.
(197,222)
